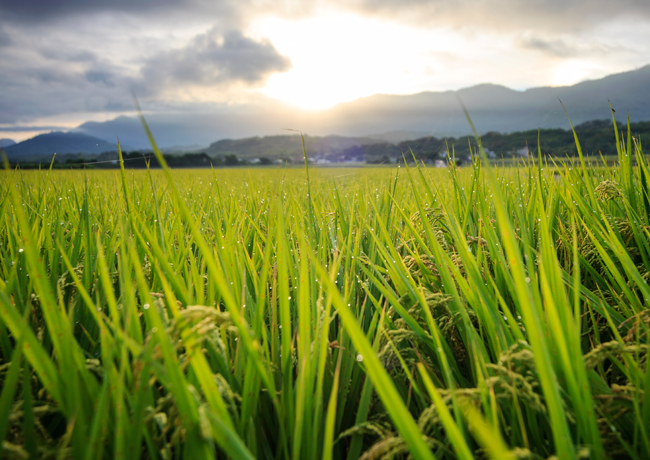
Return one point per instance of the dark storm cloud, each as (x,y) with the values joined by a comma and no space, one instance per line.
(213,59)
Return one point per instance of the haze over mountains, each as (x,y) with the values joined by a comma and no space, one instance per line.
(391,118)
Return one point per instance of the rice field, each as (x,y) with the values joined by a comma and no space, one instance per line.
(459,313)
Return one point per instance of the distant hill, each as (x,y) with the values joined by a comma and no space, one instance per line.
(6,142)
(596,137)
(497,108)
(46,145)
(492,107)
(175,132)
(287,146)
(398,136)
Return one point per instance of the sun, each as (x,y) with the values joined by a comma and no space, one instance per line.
(342,58)
(572,72)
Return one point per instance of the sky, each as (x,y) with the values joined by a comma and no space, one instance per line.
(64,62)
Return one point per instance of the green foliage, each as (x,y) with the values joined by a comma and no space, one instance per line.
(230,160)
(282,147)
(595,136)
(329,313)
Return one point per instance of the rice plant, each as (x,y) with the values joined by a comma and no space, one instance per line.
(475,312)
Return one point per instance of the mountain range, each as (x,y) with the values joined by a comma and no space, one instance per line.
(390,118)
(492,108)
(46,145)
(285,146)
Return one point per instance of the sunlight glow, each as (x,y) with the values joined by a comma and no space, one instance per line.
(572,72)
(341,58)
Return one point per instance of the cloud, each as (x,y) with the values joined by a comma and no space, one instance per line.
(34,88)
(43,78)
(563,48)
(146,12)
(67,54)
(541,15)
(42,10)
(18,129)
(77,56)
(212,59)
(547,15)
(557,48)
(5,38)
(100,76)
